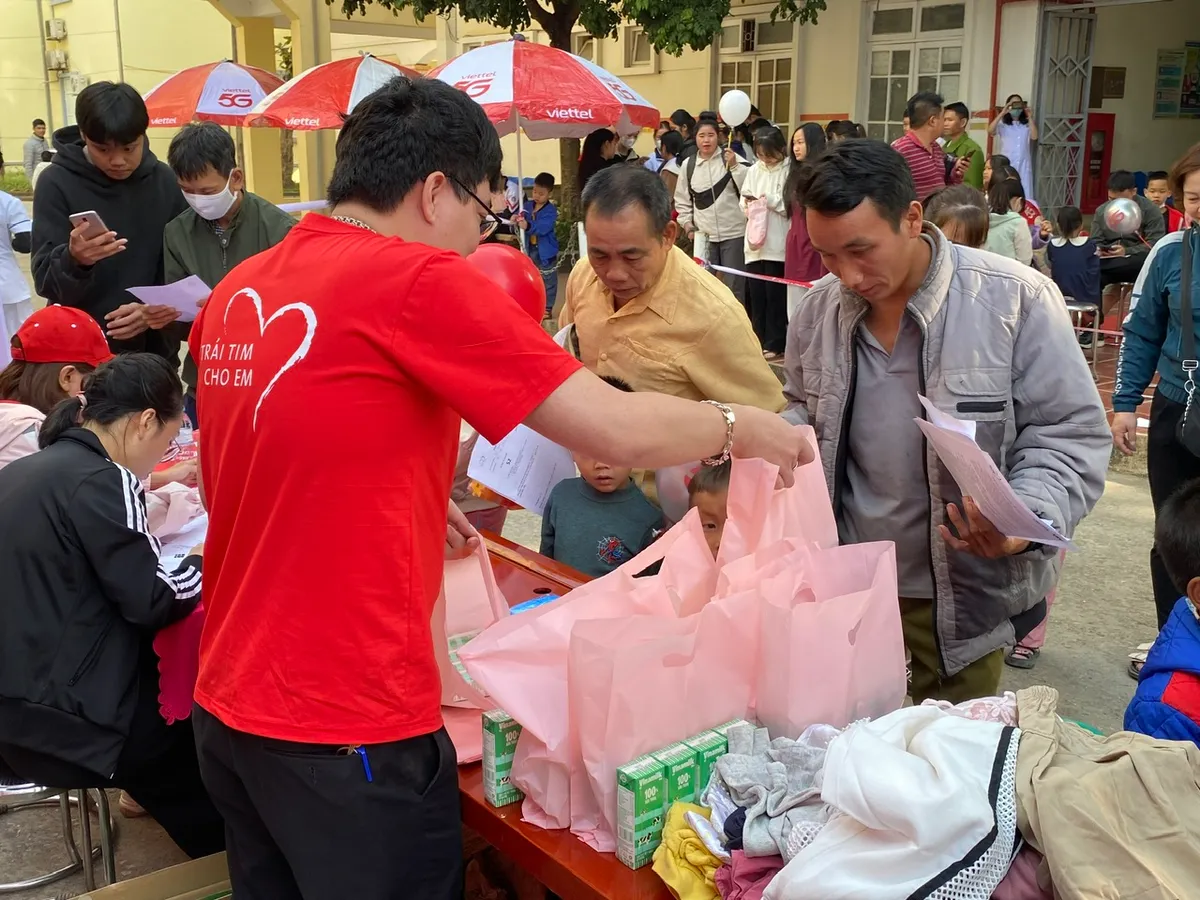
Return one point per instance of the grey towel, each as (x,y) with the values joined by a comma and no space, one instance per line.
(778,783)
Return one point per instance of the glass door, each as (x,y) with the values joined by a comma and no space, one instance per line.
(888,92)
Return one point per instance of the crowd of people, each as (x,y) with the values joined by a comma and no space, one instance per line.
(336,356)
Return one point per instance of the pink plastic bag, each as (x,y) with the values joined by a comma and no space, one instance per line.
(760,515)
(640,684)
(465,727)
(831,647)
(468,603)
(522,661)
(178,650)
(757,215)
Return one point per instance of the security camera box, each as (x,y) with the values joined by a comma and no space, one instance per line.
(199,879)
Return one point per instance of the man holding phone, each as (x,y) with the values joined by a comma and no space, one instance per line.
(99,215)
(958,144)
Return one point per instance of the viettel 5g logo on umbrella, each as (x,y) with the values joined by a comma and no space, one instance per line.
(475,86)
(235,98)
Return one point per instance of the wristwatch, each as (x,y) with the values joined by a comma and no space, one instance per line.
(730,419)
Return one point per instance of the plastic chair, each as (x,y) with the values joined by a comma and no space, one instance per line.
(16,795)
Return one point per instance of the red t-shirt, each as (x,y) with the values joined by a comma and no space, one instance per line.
(333,369)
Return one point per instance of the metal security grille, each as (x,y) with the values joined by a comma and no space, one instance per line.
(1064,81)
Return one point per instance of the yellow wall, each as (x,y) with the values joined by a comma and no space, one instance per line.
(157,37)
(830,64)
(1131,36)
(22,91)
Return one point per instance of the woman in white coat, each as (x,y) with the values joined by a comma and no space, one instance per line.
(1016,132)
(766,239)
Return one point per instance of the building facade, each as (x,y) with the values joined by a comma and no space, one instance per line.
(861,61)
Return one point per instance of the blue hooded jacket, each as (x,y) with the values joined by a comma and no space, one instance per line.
(1167,702)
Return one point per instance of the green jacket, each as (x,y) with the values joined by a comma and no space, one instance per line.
(960,147)
(192,247)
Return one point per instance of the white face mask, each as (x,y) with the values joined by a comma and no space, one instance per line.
(212,206)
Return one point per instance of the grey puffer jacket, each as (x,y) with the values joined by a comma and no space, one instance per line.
(999,349)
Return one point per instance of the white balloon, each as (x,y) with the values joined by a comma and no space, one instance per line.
(734,108)
(1122,216)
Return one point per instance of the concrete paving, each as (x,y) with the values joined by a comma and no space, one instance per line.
(1104,608)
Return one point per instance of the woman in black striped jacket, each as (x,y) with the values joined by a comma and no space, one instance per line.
(83,592)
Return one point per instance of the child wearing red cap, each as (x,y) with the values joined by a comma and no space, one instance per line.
(52,351)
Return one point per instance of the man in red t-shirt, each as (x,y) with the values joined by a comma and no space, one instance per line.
(333,369)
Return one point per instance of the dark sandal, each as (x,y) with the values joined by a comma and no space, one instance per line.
(1022,657)
(1135,669)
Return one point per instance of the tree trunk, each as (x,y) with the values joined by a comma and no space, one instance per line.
(559,32)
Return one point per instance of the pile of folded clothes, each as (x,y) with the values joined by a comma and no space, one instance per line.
(999,797)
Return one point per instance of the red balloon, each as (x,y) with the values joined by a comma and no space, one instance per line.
(515,274)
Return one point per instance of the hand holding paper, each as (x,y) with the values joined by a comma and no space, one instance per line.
(999,511)
(977,535)
(182,296)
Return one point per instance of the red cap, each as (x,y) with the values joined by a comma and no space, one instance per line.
(60,334)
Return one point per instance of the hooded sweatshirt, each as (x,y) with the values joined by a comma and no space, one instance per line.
(1008,235)
(137,209)
(19,425)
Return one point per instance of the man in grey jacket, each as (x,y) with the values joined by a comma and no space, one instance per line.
(35,145)
(905,312)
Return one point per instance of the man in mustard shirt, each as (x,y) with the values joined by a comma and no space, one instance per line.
(646,313)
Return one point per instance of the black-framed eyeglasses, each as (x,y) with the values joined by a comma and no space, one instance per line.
(490,222)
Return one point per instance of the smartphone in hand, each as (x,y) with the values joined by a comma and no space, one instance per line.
(94,224)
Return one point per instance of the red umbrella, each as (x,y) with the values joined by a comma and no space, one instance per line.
(219,92)
(545,92)
(317,98)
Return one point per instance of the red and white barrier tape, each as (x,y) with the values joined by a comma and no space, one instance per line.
(713,267)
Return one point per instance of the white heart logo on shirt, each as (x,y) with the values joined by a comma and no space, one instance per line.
(310,319)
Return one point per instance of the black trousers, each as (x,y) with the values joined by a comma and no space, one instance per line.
(768,305)
(158,768)
(1120,269)
(303,822)
(1169,465)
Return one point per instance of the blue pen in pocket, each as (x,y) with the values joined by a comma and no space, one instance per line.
(362,752)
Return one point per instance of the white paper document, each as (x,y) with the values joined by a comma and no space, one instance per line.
(964,427)
(978,478)
(179,295)
(176,546)
(523,468)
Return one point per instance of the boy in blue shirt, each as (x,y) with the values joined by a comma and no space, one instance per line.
(598,521)
(1167,702)
(538,219)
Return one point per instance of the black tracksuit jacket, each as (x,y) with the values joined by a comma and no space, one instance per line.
(82,592)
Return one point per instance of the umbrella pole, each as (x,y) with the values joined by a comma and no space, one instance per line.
(522,235)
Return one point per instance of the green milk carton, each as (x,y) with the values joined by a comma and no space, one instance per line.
(500,733)
(679,761)
(641,799)
(708,747)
